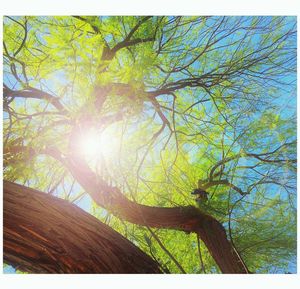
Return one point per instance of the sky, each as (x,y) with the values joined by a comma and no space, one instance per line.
(139,7)
(85,204)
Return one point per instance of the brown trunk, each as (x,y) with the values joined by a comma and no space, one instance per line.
(44,234)
(188,219)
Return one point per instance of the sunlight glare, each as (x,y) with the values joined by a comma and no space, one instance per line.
(95,145)
(91,145)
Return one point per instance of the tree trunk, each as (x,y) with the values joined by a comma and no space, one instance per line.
(44,234)
(188,219)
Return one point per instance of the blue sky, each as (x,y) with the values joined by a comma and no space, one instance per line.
(85,202)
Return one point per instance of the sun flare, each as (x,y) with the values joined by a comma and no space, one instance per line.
(94,145)
(90,144)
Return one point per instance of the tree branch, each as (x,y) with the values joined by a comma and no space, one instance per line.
(187,219)
(45,234)
(34,93)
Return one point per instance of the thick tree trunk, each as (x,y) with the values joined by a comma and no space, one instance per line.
(44,234)
(188,219)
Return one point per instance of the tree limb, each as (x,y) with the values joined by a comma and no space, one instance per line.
(33,93)
(45,234)
(187,219)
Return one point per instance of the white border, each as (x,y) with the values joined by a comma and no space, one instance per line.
(116,281)
(150,7)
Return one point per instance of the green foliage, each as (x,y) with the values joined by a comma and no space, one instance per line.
(189,99)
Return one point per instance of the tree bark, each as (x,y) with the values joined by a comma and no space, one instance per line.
(45,234)
(188,219)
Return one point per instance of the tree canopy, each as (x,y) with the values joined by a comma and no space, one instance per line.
(127,115)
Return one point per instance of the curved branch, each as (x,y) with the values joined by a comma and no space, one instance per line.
(109,54)
(187,219)
(256,156)
(136,27)
(45,234)
(223,182)
(24,26)
(33,93)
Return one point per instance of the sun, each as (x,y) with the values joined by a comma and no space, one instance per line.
(90,144)
(95,145)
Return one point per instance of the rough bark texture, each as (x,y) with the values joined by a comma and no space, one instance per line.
(44,234)
(188,219)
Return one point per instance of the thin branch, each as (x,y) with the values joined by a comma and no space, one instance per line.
(34,93)
(200,256)
(166,251)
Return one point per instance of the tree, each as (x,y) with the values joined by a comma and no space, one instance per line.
(139,112)
(42,245)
